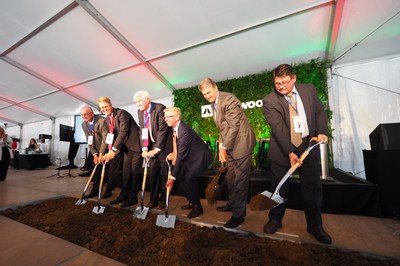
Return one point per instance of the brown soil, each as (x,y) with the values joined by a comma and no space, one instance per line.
(117,235)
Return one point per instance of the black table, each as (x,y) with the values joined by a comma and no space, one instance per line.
(32,161)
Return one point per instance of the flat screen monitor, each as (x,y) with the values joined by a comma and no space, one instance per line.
(66,133)
(79,135)
(385,137)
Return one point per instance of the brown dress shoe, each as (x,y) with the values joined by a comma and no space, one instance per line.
(187,206)
(197,210)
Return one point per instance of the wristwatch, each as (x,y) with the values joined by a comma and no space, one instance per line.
(114,149)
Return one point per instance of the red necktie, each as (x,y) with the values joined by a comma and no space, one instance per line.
(111,128)
(146,125)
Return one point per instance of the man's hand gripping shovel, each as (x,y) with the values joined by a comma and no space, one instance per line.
(267,200)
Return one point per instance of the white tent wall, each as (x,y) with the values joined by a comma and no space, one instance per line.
(363,95)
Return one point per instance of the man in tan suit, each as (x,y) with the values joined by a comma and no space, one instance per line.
(236,143)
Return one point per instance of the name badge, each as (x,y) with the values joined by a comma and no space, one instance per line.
(90,140)
(109,138)
(298,123)
(145,133)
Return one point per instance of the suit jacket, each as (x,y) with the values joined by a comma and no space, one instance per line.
(161,133)
(126,131)
(235,132)
(99,135)
(276,110)
(193,154)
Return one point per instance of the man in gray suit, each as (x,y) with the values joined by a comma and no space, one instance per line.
(236,143)
(310,119)
(95,131)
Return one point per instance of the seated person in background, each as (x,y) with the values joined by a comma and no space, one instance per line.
(32,144)
(42,145)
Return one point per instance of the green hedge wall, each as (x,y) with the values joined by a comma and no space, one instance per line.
(249,88)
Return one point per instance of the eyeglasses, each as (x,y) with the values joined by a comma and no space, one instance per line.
(105,107)
(283,83)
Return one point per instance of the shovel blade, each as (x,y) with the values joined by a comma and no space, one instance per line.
(262,202)
(140,213)
(81,202)
(98,209)
(166,222)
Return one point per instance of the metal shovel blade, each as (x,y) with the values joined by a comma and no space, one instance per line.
(166,221)
(98,209)
(81,202)
(140,213)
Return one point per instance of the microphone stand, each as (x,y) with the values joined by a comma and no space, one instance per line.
(58,172)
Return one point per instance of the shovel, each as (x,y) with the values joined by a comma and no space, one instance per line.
(214,188)
(82,201)
(166,221)
(100,209)
(267,200)
(141,211)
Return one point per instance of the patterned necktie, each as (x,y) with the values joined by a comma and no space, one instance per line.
(295,138)
(174,148)
(146,125)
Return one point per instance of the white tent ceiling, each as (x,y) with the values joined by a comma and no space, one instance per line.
(57,56)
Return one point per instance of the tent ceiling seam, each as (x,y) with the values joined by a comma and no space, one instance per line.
(40,28)
(365,37)
(120,38)
(45,80)
(236,32)
(362,82)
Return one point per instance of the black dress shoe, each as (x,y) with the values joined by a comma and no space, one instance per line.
(128,203)
(197,210)
(117,200)
(151,205)
(162,205)
(91,194)
(233,222)
(107,194)
(272,226)
(319,234)
(187,206)
(225,208)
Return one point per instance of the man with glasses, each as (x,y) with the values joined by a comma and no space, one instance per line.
(95,130)
(123,141)
(296,114)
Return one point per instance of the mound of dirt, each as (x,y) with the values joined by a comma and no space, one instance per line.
(117,235)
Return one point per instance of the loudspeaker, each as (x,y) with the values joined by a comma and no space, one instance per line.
(385,137)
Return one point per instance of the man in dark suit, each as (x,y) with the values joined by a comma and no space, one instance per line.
(191,157)
(310,119)
(95,130)
(123,142)
(236,143)
(156,144)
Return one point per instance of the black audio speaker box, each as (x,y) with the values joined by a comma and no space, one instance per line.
(385,137)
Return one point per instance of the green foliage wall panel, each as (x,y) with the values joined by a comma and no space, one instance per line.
(249,88)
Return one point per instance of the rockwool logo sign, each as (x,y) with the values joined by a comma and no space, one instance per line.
(206,110)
